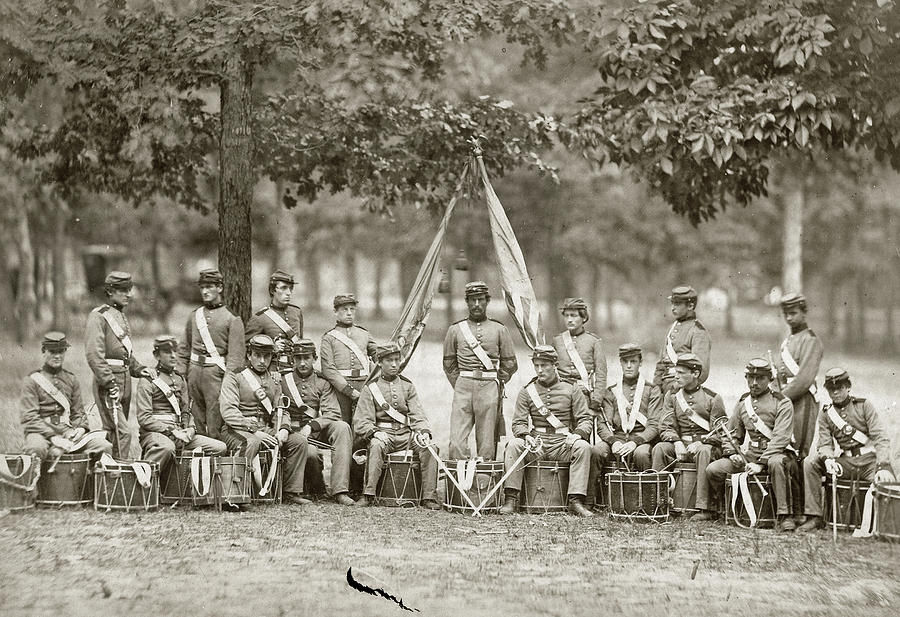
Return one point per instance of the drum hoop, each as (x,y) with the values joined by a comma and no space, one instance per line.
(118,472)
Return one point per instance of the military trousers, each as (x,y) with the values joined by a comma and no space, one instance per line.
(779,476)
(161,448)
(806,414)
(347,404)
(121,438)
(38,445)
(378,451)
(663,454)
(294,452)
(855,468)
(555,448)
(204,385)
(474,405)
(340,437)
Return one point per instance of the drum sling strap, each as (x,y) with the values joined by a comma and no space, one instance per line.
(203,327)
(867,520)
(201,472)
(465,473)
(143,473)
(740,484)
(282,324)
(385,406)
(475,346)
(630,413)
(694,417)
(169,394)
(10,479)
(670,349)
(542,409)
(758,424)
(350,344)
(256,466)
(793,367)
(54,393)
(116,328)
(298,400)
(569,344)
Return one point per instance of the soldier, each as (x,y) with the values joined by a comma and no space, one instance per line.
(213,343)
(281,320)
(628,432)
(689,412)
(251,420)
(163,410)
(346,350)
(581,359)
(109,353)
(801,354)
(686,335)
(858,431)
(768,418)
(478,360)
(560,416)
(315,413)
(388,412)
(53,416)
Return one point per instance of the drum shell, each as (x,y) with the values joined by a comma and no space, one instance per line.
(116,488)
(71,483)
(638,495)
(233,480)
(887,511)
(22,496)
(546,486)
(177,487)
(765,506)
(401,482)
(851,495)
(487,475)
(608,468)
(684,493)
(273,496)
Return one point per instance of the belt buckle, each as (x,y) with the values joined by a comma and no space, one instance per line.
(354,372)
(476,373)
(54,419)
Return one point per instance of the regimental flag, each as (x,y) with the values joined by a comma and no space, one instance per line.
(517,289)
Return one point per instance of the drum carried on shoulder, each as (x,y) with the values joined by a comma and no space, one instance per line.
(400,485)
(126,487)
(19,477)
(546,486)
(478,479)
(638,495)
(66,481)
(748,506)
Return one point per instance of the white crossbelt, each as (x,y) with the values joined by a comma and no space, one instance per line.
(558,431)
(694,417)
(670,349)
(350,344)
(385,406)
(54,393)
(213,355)
(115,362)
(792,366)
(839,423)
(168,393)
(542,408)
(258,390)
(116,329)
(757,421)
(632,417)
(475,346)
(295,394)
(282,324)
(569,344)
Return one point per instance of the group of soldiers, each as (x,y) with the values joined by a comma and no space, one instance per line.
(231,387)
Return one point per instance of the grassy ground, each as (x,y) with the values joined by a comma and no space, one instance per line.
(293,561)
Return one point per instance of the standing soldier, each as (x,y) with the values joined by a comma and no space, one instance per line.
(581,359)
(801,354)
(315,412)
(281,320)
(346,350)
(689,413)
(853,444)
(110,354)
(52,412)
(768,418)
(478,360)
(686,335)
(388,416)
(559,415)
(214,343)
(252,421)
(161,405)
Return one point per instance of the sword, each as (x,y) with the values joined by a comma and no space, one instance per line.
(721,424)
(115,406)
(774,371)
(538,444)
(836,470)
(424,441)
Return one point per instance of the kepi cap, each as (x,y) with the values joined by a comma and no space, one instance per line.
(210,276)
(304,347)
(544,352)
(261,342)
(575,304)
(691,361)
(835,376)
(793,299)
(118,280)
(282,276)
(342,299)
(758,366)
(626,350)
(54,341)
(683,293)
(165,342)
(477,288)
(386,350)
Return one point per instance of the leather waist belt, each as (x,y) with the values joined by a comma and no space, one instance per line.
(861,451)
(553,431)
(479,374)
(116,362)
(200,359)
(762,443)
(392,425)
(357,373)
(687,438)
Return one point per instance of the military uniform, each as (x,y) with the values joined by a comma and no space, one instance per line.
(686,335)
(109,352)
(213,343)
(689,416)
(588,369)
(345,359)
(244,412)
(400,402)
(626,423)
(861,438)
(768,420)
(476,387)
(798,363)
(51,406)
(313,403)
(283,324)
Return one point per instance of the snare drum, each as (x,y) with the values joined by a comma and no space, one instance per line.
(851,495)
(609,467)
(118,487)
(273,494)
(401,481)
(70,483)
(232,481)
(684,493)
(546,487)
(763,505)
(188,481)
(477,479)
(19,476)
(887,511)
(638,495)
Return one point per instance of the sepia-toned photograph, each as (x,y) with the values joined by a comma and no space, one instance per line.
(449,307)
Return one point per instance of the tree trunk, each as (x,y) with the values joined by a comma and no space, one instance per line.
(890,330)
(847,295)
(313,283)
(26,300)
(832,315)
(352,280)
(60,317)
(593,300)
(792,255)
(449,307)
(861,311)
(610,301)
(236,182)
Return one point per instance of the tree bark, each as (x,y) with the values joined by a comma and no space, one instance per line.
(610,301)
(861,312)
(792,255)
(60,315)
(26,299)
(729,311)
(236,182)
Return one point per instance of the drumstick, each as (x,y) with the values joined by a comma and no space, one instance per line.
(834,477)
(537,447)
(427,444)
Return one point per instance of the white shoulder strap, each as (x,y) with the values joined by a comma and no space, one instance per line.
(385,406)
(476,347)
(295,394)
(694,417)
(116,329)
(569,344)
(203,328)
(167,392)
(555,422)
(761,427)
(841,425)
(792,365)
(630,413)
(250,377)
(54,393)
(281,323)
(670,349)
(350,344)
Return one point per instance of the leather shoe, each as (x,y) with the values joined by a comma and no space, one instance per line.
(297,500)
(510,505)
(577,508)
(344,500)
(703,515)
(784,523)
(363,501)
(430,504)
(812,523)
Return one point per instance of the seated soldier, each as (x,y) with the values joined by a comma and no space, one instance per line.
(163,412)
(388,426)
(53,416)
(865,447)
(629,432)
(768,418)
(315,412)
(247,403)
(685,434)
(560,416)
